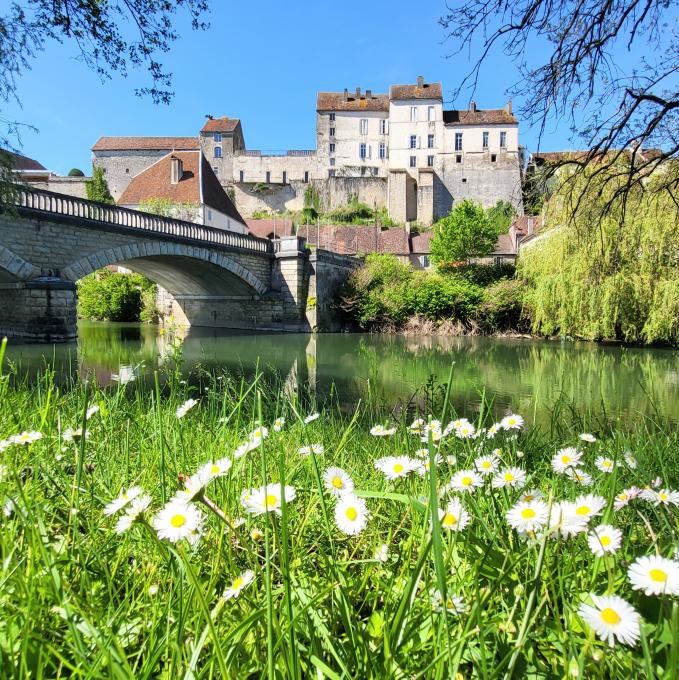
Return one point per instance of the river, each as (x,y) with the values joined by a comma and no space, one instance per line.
(603,383)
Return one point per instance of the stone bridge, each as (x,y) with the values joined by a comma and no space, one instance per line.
(210,277)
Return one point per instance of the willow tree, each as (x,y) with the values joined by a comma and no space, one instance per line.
(608,266)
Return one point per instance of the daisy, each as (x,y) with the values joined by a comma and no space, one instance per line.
(605,464)
(337,481)
(454,517)
(266,499)
(381,431)
(425,465)
(91,411)
(134,513)
(238,584)
(351,515)
(604,539)
(422,453)
(308,450)
(256,535)
(531,495)
(395,467)
(456,424)
(631,460)
(511,422)
(454,604)
(278,424)
(217,468)
(382,553)
(565,521)
(311,418)
(433,432)
(245,447)
(258,434)
(194,485)
(26,438)
(612,619)
(493,430)
(655,575)
(587,437)
(417,426)
(122,500)
(465,431)
(465,480)
(178,520)
(580,476)
(662,497)
(451,460)
(186,407)
(565,459)
(527,516)
(589,505)
(70,435)
(514,477)
(625,496)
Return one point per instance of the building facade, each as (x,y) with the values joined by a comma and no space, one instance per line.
(401,150)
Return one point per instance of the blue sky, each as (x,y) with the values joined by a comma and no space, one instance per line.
(262,62)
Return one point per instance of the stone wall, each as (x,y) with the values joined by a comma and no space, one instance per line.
(71,186)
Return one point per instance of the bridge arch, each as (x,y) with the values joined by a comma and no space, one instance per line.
(180,269)
(14,268)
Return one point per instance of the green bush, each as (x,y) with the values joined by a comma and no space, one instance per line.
(502,307)
(97,187)
(109,296)
(354,212)
(485,274)
(76,172)
(442,297)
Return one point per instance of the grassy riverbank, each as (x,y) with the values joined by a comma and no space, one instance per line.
(330,595)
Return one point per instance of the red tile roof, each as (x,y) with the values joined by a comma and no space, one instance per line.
(146,144)
(527,223)
(267,227)
(23,163)
(198,184)
(479,117)
(504,245)
(421,243)
(336,101)
(425,91)
(223,124)
(350,240)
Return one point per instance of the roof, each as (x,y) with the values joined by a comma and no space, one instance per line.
(198,184)
(421,243)
(223,124)
(349,240)
(542,157)
(479,117)
(337,101)
(146,143)
(527,223)
(426,91)
(267,227)
(504,245)
(23,163)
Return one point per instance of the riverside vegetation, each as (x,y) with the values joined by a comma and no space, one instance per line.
(218,527)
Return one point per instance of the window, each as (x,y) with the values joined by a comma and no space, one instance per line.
(268,176)
(209,215)
(383,150)
(364,126)
(431,113)
(285,177)
(215,169)
(332,147)
(331,173)
(430,141)
(424,261)
(485,140)
(503,140)
(413,142)
(413,161)
(464,180)
(430,161)
(493,158)
(306,175)
(383,126)
(242,175)
(332,161)
(413,114)
(218,136)
(218,152)
(332,132)
(375,171)
(363,151)
(458,158)
(127,171)
(332,117)
(458,141)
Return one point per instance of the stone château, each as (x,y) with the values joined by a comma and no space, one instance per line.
(400,150)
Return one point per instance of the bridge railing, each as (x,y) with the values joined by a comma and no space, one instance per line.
(71,206)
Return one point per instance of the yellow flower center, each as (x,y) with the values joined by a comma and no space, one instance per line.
(623,497)
(270,501)
(178,521)
(467,481)
(528,497)
(398,468)
(351,514)
(509,477)
(527,513)
(610,616)
(658,575)
(214,470)
(511,421)
(337,482)
(565,459)
(449,520)
(608,463)
(662,496)
(605,541)
(485,465)
(583,510)
(237,583)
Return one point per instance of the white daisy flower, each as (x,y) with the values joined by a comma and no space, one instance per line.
(451,460)
(655,575)
(604,539)
(464,480)
(612,619)
(486,465)
(625,496)
(418,425)
(432,430)
(493,430)
(217,468)
(454,604)
(266,499)
(238,584)
(631,460)
(123,499)
(382,553)
(565,459)
(512,422)
(465,431)
(514,477)
(531,495)
(662,496)
(454,517)
(135,511)
(186,407)
(422,453)
(527,516)
(381,431)
(91,411)
(70,435)
(5,444)
(337,481)
(587,437)
(178,520)
(424,465)
(395,467)
(26,438)
(256,535)
(580,476)
(246,447)
(258,434)
(351,515)
(278,424)
(9,507)
(565,521)
(605,464)
(311,418)
(589,505)
(316,449)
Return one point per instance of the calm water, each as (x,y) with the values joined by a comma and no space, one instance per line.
(527,376)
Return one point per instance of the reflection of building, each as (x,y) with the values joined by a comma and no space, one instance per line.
(399,150)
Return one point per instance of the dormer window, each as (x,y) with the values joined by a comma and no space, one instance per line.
(218,136)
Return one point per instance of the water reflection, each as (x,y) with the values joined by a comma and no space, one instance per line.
(528,376)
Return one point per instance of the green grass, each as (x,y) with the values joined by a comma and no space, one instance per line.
(78,600)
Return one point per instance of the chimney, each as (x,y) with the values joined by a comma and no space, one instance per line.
(472,106)
(358,93)
(530,226)
(420,81)
(346,94)
(508,106)
(176,169)
(368,94)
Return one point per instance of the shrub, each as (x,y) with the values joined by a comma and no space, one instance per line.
(97,188)
(354,212)
(261,214)
(76,172)
(502,307)
(109,296)
(437,297)
(485,274)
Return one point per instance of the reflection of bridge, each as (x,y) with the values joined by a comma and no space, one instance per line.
(214,278)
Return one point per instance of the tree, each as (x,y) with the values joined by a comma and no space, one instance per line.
(97,187)
(464,233)
(617,112)
(502,215)
(76,172)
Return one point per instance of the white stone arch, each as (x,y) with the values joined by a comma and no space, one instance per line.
(15,266)
(127,254)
